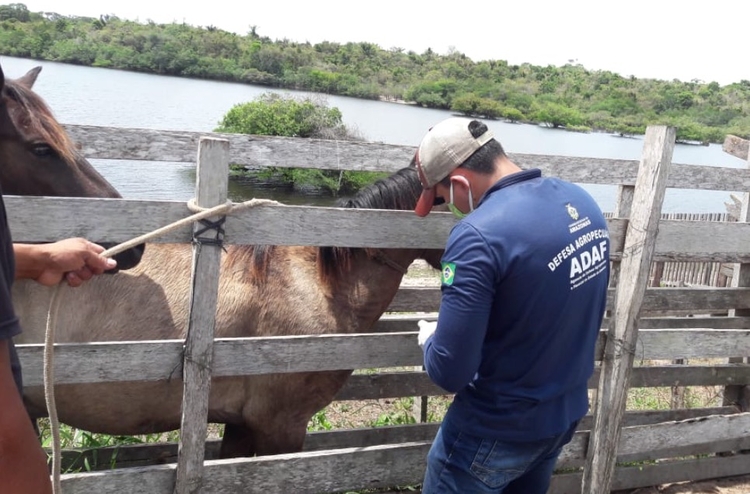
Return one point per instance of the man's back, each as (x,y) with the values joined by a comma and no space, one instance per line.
(540,247)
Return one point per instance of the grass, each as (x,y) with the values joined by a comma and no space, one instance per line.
(72,438)
(667,397)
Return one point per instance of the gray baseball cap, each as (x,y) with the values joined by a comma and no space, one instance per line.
(445,147)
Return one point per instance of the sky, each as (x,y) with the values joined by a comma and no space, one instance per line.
(661,39)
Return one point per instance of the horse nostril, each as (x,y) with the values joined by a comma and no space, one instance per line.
(128,259)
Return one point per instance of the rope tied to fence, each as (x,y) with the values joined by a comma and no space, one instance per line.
(200,215)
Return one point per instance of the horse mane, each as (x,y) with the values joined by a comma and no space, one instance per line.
(38,118)
(398,191)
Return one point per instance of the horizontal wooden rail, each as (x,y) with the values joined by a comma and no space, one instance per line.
(34,219)
(125,456)
(289,152)
(417,383)
(160,360)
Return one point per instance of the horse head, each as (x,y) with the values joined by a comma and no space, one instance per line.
(37,158)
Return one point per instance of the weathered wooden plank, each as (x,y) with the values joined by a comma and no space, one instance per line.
(663,473)
(211,189)
(160,360)
(388,385)
(638,251)
(701,241)
(118,220)
(139,480)
(718,322)
(703,177)
(35,219)
(127,456)
(687,375)
(373,466)
(686,451)
(736,146)
(654,344)
(661,440)
(249,150)
(654,439)
(391,323)
(313,472)
(415,383)
(698,300)
(415,299)
(260,151)
(650,417)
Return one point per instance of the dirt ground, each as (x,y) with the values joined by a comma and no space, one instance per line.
(729,485)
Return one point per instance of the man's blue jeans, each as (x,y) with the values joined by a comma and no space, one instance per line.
(463,464)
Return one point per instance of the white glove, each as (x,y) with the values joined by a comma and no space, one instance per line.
(426,328)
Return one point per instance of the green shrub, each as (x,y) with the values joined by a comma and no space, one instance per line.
(276,115)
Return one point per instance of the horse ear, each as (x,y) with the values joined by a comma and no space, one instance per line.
(29,79)
(2,79)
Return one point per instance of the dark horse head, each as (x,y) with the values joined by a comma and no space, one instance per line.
(37,158)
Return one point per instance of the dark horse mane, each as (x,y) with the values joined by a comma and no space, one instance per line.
(398,191)
(36,117)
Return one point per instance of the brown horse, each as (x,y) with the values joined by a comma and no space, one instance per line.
(264,291)
(38,159)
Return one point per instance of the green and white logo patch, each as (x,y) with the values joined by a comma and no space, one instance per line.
(449,272)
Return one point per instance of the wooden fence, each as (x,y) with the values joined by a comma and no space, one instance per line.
(379,457)
(681,274)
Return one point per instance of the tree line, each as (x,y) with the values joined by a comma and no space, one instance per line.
(569,96)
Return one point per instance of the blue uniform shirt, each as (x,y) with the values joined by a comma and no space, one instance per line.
(524,289)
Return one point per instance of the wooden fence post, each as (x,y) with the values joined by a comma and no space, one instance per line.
(212,177)
(739,395)
(620,346)
(623,204)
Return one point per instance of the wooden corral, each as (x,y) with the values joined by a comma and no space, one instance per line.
(649,447)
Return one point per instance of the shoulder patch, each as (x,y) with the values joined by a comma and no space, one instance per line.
(449,272)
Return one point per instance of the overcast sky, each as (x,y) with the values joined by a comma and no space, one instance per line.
(662,39)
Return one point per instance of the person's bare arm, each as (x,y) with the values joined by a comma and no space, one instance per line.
(76,259)
(23,464)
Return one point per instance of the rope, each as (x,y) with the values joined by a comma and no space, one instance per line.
(49,395)
(49,338)
(200,213)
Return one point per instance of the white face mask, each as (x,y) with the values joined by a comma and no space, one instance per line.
(453,208)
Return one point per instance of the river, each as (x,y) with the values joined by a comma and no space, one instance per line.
(96,96)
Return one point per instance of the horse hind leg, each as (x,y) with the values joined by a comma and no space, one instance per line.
(279,438)
(261,440)
(275,422)
(237,441)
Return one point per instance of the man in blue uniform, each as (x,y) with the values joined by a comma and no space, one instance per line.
(524,288)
